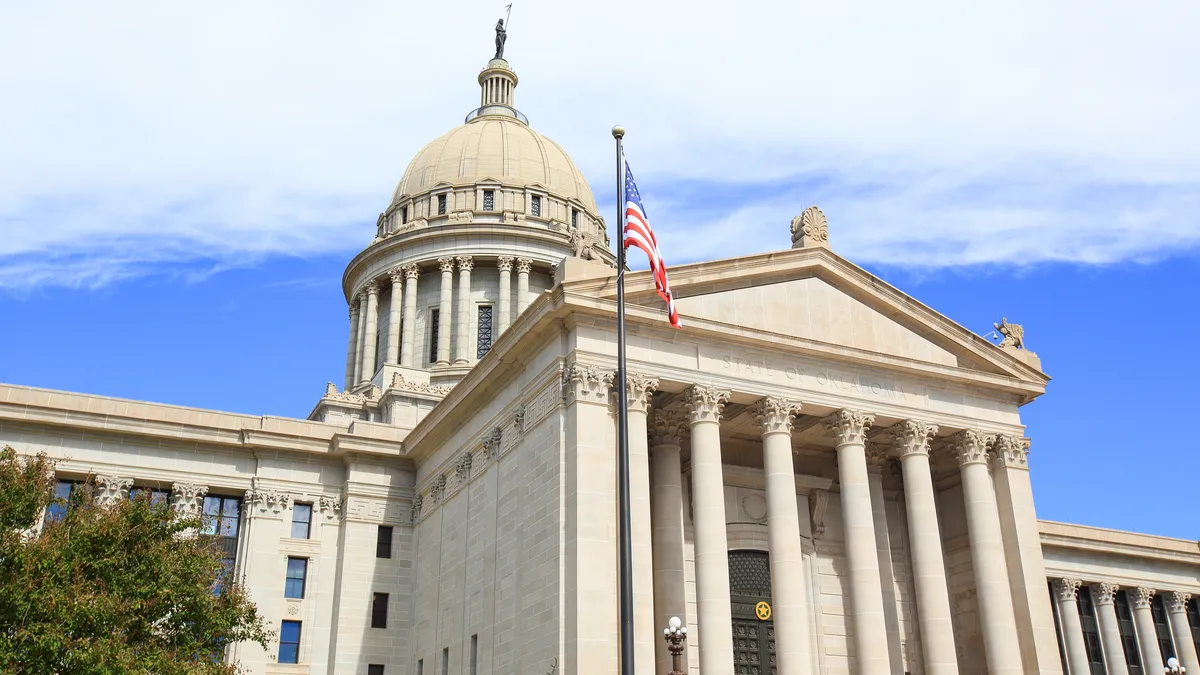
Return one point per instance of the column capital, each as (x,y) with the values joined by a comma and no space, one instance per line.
(1010,451)
(504,263)
(1104,592)
(446,264)
(465,263)
(638,390)
(774,414)
(188,498)
(704,403)
(667,426)
(268,502)
(582,382)
(911,437)
(371,288)
(396,274)
(1066,589)
(878,455)
(360,297)
(1177,601)
(111,489)
(524,265)
(970,446)
(1140,597)
(849,426)
(354,309)
(411,272)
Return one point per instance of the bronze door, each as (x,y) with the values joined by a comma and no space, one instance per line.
(753,638)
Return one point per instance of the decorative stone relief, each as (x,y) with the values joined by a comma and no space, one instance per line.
(457,217)
(704,403)
(398,382)
(465,263)
(754,505)
(438,490)
(504,263)
(1177,601)
(774,414)
(411,272)
(810,229)
(519,420)
(818,504)
(638,390)
(1010,451)
(462,467)
(1013,334)
(911,437)
(1140,597)
(1103,593)
(583,244)
(332,393)
(513,217)
(492,444)
(586,383)
(112,489)
(417,503)
(849,426)
(188,498)
(268,502)
(330,506)
(1066,589)
(970,446)
(667,426)
(524,265)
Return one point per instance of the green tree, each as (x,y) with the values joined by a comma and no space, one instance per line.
(105,590)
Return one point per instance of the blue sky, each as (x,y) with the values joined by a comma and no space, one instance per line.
(180,187)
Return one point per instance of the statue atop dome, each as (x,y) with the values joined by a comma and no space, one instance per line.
(501,36)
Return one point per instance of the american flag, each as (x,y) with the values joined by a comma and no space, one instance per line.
(639,234)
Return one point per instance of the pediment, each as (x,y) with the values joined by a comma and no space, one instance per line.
(815,295)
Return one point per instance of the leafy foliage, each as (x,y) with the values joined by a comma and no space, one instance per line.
(123,588)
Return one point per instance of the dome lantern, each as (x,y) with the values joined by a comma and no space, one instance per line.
(497,83)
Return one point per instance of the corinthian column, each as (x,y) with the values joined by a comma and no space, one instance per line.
(1185,648)
(504,303)
(1000,642)
(394,309)
(465,264)
(639,389)
(411,272)
(112,489)
(910,440)
(704,405)
(1066,593)
(359,351)
(188,498)
(352,347)
(1152,661)
(523,266)
(1110,630)
(371,334)
(666,504)
(866,594)
(444,309)
(774,415)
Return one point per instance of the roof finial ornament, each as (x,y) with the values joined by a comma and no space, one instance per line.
(809,229)
(502,32)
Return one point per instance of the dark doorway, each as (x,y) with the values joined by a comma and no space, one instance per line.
(753,638)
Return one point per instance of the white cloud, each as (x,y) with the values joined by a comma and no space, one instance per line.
(137,137)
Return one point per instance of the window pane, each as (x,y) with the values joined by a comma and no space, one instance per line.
(229,507)
(159,498)
(62,489)
(301,515)
(441,204)
(536,206)
(212,506)
(383,546)
(374,669)
(297,571)
(289,642)
(379,610)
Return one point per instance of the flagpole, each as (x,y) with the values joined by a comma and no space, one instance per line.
(626,539)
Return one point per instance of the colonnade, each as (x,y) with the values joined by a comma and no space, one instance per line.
(1104,594)
(993,530)
(401,334)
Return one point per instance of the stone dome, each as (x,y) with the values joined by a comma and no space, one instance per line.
(500,148)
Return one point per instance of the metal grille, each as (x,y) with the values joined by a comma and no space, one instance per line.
(489,200)
(750,573)
(441,205)
(574,218)
(753,639)
(535,205)
(753,647)
(484,342)
(433,334)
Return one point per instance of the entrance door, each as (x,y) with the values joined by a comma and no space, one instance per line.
(753,636)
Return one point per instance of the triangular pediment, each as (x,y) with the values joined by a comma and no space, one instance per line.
(814,295)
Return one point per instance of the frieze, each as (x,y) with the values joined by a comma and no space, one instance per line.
(398,382)
(268,502)
(332,393)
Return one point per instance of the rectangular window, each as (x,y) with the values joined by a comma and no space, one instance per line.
(489,200)
(156,497)
(403,214)
(1125,626)
(297,572)
(220,517)
(484,332)
(379,602)
(1162,628)
(441,205)
(289,642)
(446,661)
(1091,631)
(475,654)
(535,205)
(574,218)
(383,542)
(375,669)
(434,320)
(1193,615)
(420,666)
(62,499)
(301,520)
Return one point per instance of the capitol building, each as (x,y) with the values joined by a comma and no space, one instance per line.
(828,477)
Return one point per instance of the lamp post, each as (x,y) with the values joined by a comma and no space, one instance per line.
(1173,667)
(675,634)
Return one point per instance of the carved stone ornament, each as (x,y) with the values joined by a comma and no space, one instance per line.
(583,244)
(462,467)
(1013,334)
(1140,597)
(411,272)
(1066,589)
(1104,592)
(331,392)
(188,498)
(704,403)
(514,217)
(970,446)
(504,263)
(1010,451)
(372,288)
(818,504)
(586,383)
(638,390)
(1177,601)
(493,443)
(417,503)
(774,414)
(438,490)
(112,489)
(667,426)
(446,264)
(810,229)
(519,420)
(849,426)
(353,309)
(268,502)
(879,456)
(396,275)
(911,437)
(457,217)
(398,382)
(330,506)
(524,265)
(465,263)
